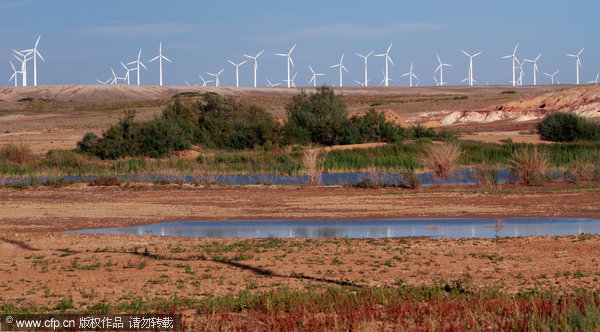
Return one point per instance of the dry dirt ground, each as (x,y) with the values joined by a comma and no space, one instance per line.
(41,266)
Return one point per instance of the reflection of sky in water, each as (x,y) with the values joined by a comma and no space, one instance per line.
(436,228)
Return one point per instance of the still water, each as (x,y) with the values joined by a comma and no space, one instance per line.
(380,228)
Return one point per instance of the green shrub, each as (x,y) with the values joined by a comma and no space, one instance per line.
(568,127)
(66,158)
(374,127)
(321,117)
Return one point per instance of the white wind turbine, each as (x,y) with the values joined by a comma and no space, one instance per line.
(437,83)
(578,62)
(114,79)
(14,75)
(203,80)
(103,82)
(270,85)
(314,76)
(593,81)
(535,67)
(387,58)
(440,67)
(552,76)
(513,56)
(138,63)
(35,53)
(384,78)
(255,63)
(127,73)
(289,61)
(291,82)
(365,57)
(216,77)
(341,66)
(521,72)
(470,77)
(23,65)
(237,67)
(410,75)
(359,83)
(160,58)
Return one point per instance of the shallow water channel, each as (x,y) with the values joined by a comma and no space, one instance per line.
(381,228)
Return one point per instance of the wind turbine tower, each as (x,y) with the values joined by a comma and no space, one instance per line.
(365,57)
(514,58)
(289,61)
(410,75)
(470,77)
(138,63)
(23,65)
(314,76)
(535,67)
(578,62)
(255,63)
(237,67)
(387,58)
(160,58)
(440,67)
(341,66)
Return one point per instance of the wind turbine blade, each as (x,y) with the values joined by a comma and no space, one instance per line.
(164,57)
(291,61)
(156,57)
(390,59)
(186,83)
(334,66)
(467,54)
(231,62)
(581,51)
(259,53)
(379,54)
(342,58)
(131,63)
(538,57)
(506,56)
(19,53)
(368,55)
(292,50)
(362,56)
(281,54)
(219,73)
(247,56)
(344,68)
(573,55)
(311,69)
(515,51)
(139,54)
(438,68)
(142,64)
(241,63)
(477,54)
(13,67)
(40,55)
(38,40)
(389,48)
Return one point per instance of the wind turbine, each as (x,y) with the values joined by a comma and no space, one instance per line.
(314,76)
(387,58)
(23,65)
(514,58)
(35,53)
(521,72)
(160,58)
(365,57)
(203,80)
(255,63)
(237,67)
(437,83)
(103,83)
(578,62)
(291,83)
(14,75)
(535,67)
(384,78)
(289,61)
(126,74)
(410,75)
(440,67)
(359,83)
(552,76)
(341,66)
(216,77)
(114,78)
(138,63)
(470,77)
(593,81)
(270,85)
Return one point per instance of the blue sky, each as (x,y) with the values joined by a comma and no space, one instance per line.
(82,40)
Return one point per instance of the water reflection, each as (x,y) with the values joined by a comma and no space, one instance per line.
(435,228)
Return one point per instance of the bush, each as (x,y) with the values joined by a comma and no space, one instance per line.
(373,127)
(529,165)
(568,127)
(15,153)
(320,117)
(440,158)
(66,158)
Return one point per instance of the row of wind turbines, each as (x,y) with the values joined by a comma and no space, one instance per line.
(517,65)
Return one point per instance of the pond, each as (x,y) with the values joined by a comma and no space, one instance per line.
(376,228)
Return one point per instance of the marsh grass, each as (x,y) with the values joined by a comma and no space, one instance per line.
(313,160)
(441,158)
(529,164)
(16,153)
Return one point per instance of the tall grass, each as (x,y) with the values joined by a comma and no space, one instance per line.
(16,153)
(313,163)
(529,165)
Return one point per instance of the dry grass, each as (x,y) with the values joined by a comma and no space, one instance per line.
(313,160)
(529,165)
(441,158)
(16,153)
